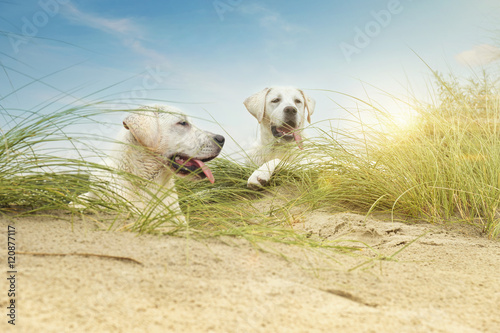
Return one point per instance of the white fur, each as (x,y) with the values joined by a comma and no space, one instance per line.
(269,108)
(149,138)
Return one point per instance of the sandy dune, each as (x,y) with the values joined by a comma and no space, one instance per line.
(446,281)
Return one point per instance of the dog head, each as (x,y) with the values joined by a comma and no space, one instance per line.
(281,111)
(169,134)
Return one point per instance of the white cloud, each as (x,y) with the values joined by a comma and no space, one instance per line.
(479,55)
(114,26)
(125,29)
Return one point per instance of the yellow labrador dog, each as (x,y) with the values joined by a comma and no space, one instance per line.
(281,113)
(155,144)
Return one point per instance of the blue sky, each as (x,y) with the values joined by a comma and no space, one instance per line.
(206,57)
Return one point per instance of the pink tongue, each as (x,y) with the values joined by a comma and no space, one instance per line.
(298,139)
(206,170)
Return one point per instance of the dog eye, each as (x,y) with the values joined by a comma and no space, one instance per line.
(276,100)
(183,123)
(298,101)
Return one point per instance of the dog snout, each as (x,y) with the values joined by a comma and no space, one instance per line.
(290,110)
(219,140)
(290,116)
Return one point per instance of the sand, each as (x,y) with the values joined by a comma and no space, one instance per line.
(446,281)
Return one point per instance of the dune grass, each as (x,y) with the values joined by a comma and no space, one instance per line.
(444,168)
(34,173)
(38,176)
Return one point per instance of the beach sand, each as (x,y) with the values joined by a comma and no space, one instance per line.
(448,280)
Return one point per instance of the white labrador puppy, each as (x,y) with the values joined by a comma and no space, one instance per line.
(281,113)
(155,144)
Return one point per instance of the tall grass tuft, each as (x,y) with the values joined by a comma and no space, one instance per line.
(37,172)
(444,167)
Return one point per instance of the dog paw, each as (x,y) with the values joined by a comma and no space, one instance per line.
(257,181)
(76,206)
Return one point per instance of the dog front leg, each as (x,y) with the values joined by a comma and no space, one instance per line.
(262,175)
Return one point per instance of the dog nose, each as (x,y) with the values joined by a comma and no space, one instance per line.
(219,139)
(290,110)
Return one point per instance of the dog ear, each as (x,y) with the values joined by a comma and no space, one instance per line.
(144,126)
(310,104)
(256,104)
